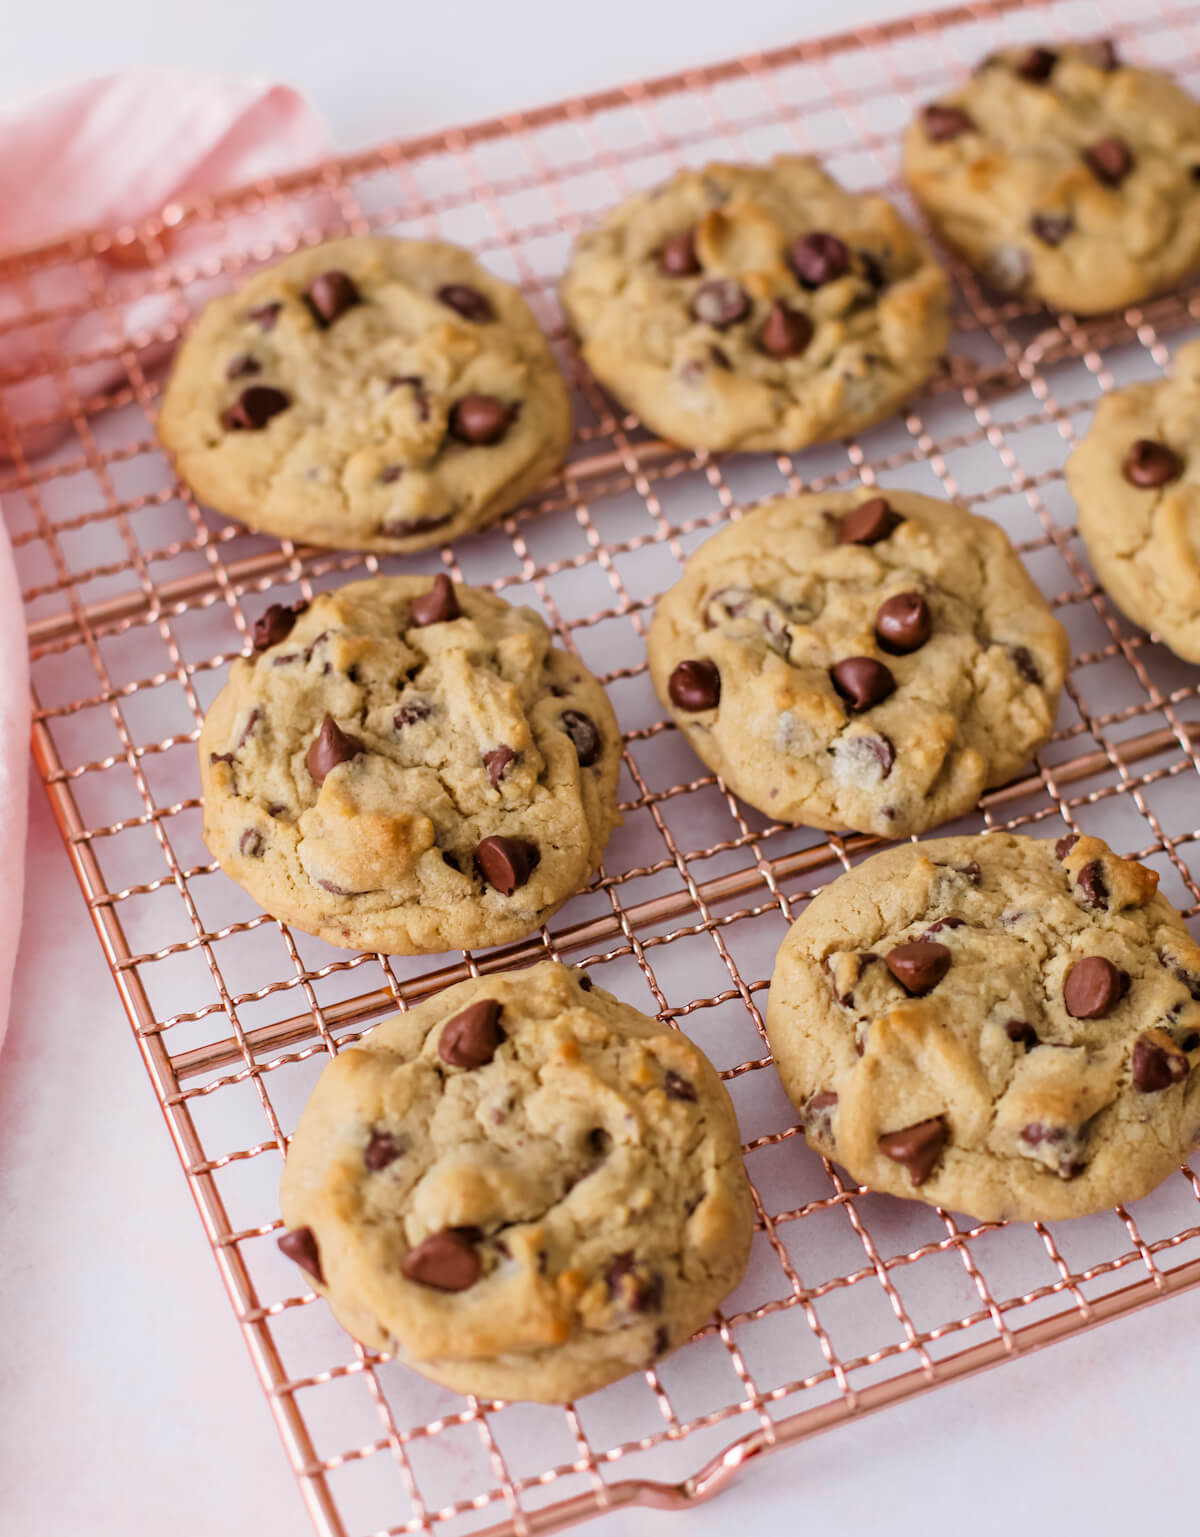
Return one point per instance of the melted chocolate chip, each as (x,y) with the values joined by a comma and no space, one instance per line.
(496,762)
(585,738)
(330,295)
(942,123)
(677,1087)
(254,408)
(695,685)
(467,302)
(1092,988)
(1157,1065)
(481,420)
(382,1149)
(437,606)
(472,1037)
(1149,465)
(1036,65)
(275,624)
(868,523)
(786,332)
(251,843)
(677,255)
(1052,228)
(639,1291)
(264,316)
(917,1147)
(903,623)
(447,1261)
(720,303)
(1091,881)
(1024,663)
(410,714)
(506,863)
(942,924)
(407,528)
(1109,160)
(1022,1033)
(862,682)
(329,747)
(300,1245)
(918,966)
(1064,845)
(1102,53)
(819,258)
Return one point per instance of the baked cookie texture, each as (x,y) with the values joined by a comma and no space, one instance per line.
(523,1187)
(1002,1025)
(1062,174)
(757,307)
(370,394)
(1136,480)
(407,765)
(858,660)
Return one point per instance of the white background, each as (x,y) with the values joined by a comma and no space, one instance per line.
(127,1402)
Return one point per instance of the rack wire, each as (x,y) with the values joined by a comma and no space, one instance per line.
(137,599)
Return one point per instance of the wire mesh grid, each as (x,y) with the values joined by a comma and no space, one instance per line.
(138,598)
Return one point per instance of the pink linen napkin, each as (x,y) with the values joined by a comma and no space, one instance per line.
(100,154)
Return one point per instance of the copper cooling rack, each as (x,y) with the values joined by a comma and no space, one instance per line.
(137,599)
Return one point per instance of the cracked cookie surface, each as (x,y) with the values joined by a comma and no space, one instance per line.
(408,765)
(757,307)
(1136,480)
(369,393)
(1061,174)
(523,1187)
(1006,1026)
(859,660)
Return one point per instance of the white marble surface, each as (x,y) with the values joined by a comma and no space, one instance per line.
(127,1402)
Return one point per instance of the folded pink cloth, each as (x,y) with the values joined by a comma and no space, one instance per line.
(102,154)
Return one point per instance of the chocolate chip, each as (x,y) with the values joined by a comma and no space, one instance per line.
(1022,1033)
(942,123)
(382,1149)
(695,685)
(300,1245)
(264,316)
(472,1037)
(1156,1066)
(1064,845)
(496,762)
(330,295)
(880,747)
(506,863)
(1038,1132)
(786,332)
(942,924)
(329,747)
(391,473)
(818,1103)
(586,982)
(1036,65)
(220,757)
(1052,228)
(862,682)
(720,303)
(1024,663)
(467,302)
(639,1291)
(1092,988)
(971,872)
(917,1147)
(677,255)
(1094,886)
(1102,53)
(918,966)
(819,258)
(1189,979)
(1007,268)
(275,624)
(447,1261)
(868,523)
(1109,160)
(437,606)
(242,366)
(480,420)
(254,408)
(677,1087)
(903,623)
(1149,465)
(662,1340)
(405,528)
(251,843)
(584,736)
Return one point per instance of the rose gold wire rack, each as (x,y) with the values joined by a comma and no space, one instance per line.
(137,599)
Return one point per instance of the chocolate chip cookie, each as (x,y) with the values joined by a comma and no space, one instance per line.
(1136,478)
(1002,1025)
(371,394)
(757,307)
(408,765)
(1061,174)
(858,660)
(523,1187)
